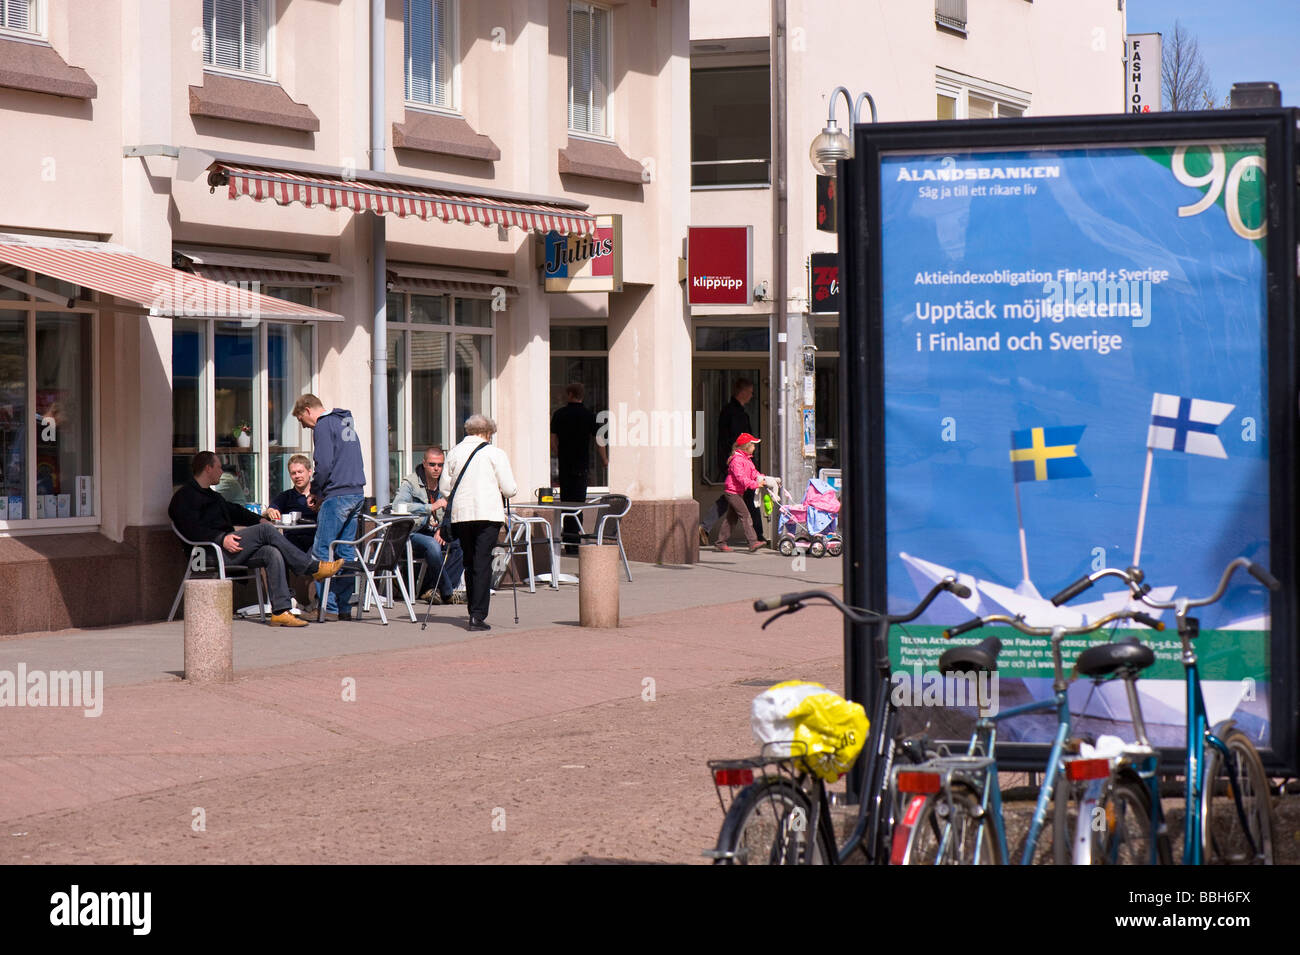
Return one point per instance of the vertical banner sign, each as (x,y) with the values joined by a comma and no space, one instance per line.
(826,204)
(823,282)
(1143,86)
(720,265)
(1074,345)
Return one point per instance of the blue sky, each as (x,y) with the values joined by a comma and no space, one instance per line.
(1240,41)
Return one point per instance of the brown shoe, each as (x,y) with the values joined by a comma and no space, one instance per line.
(757,545)
(285,619)
(704,537)
(327,568)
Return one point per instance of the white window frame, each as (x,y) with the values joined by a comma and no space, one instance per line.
(207,431)
(453,58)
(268,17)
(30,524)
(959,86)
(608,135)
(38,30)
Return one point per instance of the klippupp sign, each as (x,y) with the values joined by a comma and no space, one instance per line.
(1076,371)
(720,265)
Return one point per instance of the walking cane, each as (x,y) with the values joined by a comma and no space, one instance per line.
(510,551)
(429,609)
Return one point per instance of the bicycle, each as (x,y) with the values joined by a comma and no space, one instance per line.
(781,816)
(1231,819)
(954,815)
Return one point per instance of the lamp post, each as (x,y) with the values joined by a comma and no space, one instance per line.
(831,147)
(832,143)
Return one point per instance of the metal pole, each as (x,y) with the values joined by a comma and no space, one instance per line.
(379,262)
(780,239)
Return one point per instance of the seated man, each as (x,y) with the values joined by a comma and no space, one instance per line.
(414,492)
(294,499)
(201,514)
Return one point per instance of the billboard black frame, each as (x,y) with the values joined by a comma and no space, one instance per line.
(862,371)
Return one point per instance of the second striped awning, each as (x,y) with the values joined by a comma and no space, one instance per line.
(388,198)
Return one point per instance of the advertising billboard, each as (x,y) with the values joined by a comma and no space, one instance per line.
(1076,365)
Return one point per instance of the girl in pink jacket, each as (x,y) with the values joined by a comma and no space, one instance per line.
(741,477)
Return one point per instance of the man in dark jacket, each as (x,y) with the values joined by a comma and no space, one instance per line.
(201,514)
(733,421)
(337,487)
(572,428)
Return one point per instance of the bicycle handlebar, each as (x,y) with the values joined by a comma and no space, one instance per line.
(1018,623)
(793,602)
(1134,577)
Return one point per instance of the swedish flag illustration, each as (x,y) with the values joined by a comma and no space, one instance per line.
(1046,454)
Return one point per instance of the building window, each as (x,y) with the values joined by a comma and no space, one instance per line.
(950,15)
(430,52)
(580,353)
(589,56)
(236,35)
(732,338)
(47,407)
(731,127)
(826,336)
(964,97)
(233,390)
(440,362)
(23,16)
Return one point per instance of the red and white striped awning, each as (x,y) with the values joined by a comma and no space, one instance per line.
(164,291)
(384,198)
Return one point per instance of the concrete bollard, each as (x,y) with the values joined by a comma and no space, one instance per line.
(209,647)
(598,567)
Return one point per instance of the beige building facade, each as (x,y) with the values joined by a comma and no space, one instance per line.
(141,131)
(919,60)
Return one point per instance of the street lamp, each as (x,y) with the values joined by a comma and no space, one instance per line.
(832,143)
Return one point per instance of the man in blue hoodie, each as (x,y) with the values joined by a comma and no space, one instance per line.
(337,487)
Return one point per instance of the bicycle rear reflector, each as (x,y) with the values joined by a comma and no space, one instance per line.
(918,782)
(733,777)
(1079,770)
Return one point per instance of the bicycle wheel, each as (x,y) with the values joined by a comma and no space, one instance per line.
(1120,830)
(1223,840)
(768,825)
(947,830)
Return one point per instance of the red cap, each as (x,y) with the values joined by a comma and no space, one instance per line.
(745,438)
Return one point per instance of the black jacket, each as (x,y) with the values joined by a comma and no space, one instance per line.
(201,514)
(732,423)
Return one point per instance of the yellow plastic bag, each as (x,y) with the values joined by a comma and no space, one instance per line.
(823,727)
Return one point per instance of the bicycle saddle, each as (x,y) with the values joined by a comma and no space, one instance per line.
(1128,653)
(973,658)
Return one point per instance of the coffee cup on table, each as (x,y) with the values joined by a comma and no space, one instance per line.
(401,507)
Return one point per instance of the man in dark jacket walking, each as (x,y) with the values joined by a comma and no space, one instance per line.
(733,421)
(337,486)
(572,428)
(201,514)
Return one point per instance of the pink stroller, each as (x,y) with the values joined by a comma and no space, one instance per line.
(811,525)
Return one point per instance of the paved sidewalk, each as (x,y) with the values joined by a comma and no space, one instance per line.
(88,789)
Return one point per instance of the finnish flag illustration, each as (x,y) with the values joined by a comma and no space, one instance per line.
(1187,424)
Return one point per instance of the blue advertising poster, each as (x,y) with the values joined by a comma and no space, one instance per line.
(1064,328)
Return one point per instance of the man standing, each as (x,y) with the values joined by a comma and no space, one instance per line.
(201,514)
(419,492)
(337,487)
(572,428)
(733,421)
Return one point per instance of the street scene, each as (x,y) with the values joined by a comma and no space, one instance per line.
(659,432)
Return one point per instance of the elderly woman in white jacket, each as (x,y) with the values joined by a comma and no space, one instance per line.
(477,511)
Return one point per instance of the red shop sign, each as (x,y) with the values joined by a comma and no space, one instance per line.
(720,265)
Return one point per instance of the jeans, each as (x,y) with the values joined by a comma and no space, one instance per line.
(427,545)
(329,526)
(264,546)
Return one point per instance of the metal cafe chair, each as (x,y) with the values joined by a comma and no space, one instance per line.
(519,540)
(381,555)
(199,564)
(613,508)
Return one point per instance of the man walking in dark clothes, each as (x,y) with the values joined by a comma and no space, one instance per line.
(733,421)
(572,428)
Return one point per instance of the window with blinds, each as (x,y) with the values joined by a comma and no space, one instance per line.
(588,69)
(235,35)
(430,35)
(23,16)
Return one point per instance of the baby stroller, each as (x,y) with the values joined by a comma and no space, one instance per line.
(811,525)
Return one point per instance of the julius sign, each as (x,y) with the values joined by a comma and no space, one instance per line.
(586,263)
